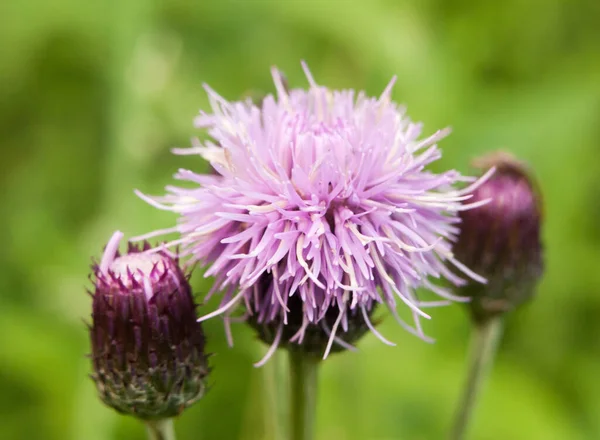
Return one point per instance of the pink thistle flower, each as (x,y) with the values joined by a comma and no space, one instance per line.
(327,193)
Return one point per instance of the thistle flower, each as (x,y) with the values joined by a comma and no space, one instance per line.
(147,347)
(326,193)
(501,240)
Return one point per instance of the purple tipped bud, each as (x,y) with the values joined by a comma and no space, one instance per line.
(501,240)
(147,347)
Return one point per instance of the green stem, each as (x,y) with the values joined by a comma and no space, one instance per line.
(485,339)
(160,429)
(275,396)
(303,381)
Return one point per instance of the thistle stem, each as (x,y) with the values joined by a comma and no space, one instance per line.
(484,343)
(160,429)
(303,381)
(276,397)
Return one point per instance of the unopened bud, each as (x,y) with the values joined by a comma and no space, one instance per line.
(501,240)
(147,348)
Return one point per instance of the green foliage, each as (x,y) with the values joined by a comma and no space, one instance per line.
(93,95)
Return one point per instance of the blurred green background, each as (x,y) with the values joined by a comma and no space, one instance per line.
(94,94)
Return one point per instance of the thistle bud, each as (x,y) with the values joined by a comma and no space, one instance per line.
(501,240)
(147,347)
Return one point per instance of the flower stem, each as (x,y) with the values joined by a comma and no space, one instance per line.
(275,381)
(160,429)
(485,339)
(303,381)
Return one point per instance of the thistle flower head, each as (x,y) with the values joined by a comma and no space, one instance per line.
(147,347)
(327,194)
(501,240)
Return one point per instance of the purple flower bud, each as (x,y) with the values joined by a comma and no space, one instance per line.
(147,347)
(501,240)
